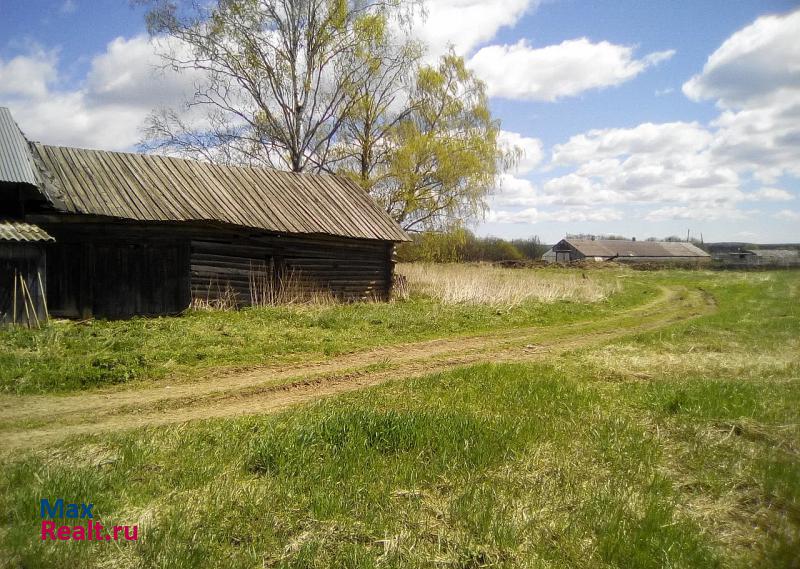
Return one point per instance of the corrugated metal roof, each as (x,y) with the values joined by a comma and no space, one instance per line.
(622,248)
(147,187)
(23,232)
(16,165)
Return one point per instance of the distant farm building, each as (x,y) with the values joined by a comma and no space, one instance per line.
(619,250)
(762,258)
(114,234)
(549,256)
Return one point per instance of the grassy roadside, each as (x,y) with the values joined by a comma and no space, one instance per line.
(27,421)
(674,448)
(70,356)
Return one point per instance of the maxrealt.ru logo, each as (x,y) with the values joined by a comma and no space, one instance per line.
(89,531)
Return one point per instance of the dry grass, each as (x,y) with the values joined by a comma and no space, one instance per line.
(638,361)
(485,284)
(291,288)
(264,290)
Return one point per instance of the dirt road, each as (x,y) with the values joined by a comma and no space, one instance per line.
(30,421)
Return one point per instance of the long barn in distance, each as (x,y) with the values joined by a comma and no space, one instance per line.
(622,250)
(113,234)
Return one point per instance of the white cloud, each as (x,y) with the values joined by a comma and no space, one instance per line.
(661,140)
(523,72)
(130,72)
(697,212)
(515,192)
(648,163)
(752,64)
(530,149)
(788,215)
(692,171)
(66,119)
(576,190)
(106,110)
(565,215)
(764,139)
(465,24)
(770,194)
(670,164)
(754,77)
(568,191)
(28,75)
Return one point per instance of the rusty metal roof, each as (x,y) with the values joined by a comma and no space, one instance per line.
(16,165)
(623,248)
(22,232)
(147,187)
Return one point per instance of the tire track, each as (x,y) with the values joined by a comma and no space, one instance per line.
(272,389)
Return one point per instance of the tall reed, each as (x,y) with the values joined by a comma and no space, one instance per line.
(454,283)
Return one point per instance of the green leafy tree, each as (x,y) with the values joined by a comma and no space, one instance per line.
(331,86)
(461,245)
(445,157)
(381,101)
(532,248)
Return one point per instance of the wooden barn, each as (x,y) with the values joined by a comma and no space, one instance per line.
(622,250)
(125,234)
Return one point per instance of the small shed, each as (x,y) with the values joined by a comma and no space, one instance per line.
(549,256)
(23,266)
(147,234)
(622,250)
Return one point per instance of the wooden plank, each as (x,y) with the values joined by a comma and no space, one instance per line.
(169,204)
(73,183)
(241,188)
(58,173)
(197,204)
(271,198)
(103,186)
(203,181)
(156,212)
(168,189)
(293,198)
(125,186)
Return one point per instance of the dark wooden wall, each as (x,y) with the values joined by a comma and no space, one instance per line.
(347,269)
(26,260)
(116,270)
(117,279)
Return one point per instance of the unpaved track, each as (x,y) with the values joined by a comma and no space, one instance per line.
(28,421)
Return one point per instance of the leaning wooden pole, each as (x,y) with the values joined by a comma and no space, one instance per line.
(44,296)
(14,309)
(24,302)
(30,301)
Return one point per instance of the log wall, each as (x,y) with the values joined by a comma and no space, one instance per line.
(347,269)
(116,270)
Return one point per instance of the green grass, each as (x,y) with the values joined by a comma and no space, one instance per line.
(675,448)
(485,465)
(70,356)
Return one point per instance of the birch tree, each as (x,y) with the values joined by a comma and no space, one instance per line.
(330,86)
(279,77)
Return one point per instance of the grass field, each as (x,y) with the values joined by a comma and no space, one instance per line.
(69,356)
(677,447)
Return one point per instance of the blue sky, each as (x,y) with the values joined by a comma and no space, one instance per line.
(638,117)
